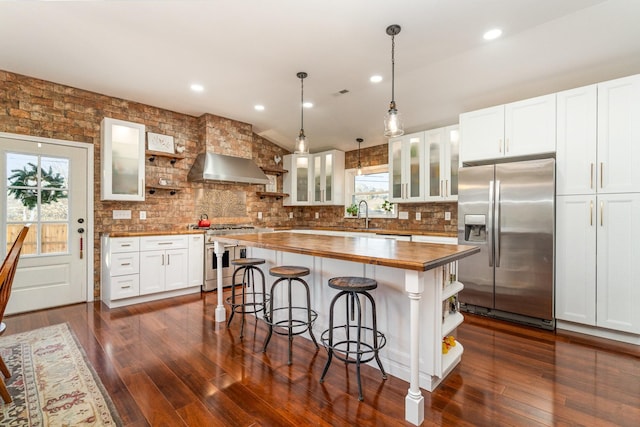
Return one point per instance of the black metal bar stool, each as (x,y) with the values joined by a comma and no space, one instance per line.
(256,303)
(345,347)
(292,325)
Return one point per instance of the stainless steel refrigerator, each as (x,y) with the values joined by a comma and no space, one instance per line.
(508,209)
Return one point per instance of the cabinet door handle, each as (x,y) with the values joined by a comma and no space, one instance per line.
(601,214)
(591,178)
(125,245)
(162,259)
(500,145)
(125,287)
(591,212)
(447,193)
(601,174)
(441,188)
(507,150)
(125,263)
(168,259)
(165,243)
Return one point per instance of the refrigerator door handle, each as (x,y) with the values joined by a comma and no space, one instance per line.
(490,225)
(497,223)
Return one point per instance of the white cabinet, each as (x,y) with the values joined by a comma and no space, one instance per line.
(297,183)
(576,259)
(442,151)
(196,260)
(517,129)
(576,141)
(141,269)
(163,263)
(120,268)
(595,284)
(122,160)
(407,168)
(314,179)
(328,178)
(619,135)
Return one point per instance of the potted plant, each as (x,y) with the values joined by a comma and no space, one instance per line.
(353,209)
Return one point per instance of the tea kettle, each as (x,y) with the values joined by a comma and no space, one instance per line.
(204,221)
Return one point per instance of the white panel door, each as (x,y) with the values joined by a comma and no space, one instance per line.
(530,126)
(576,162)
(45,184)
(152,271)
(576,259)
(619,135)
(176,269)
(618,294)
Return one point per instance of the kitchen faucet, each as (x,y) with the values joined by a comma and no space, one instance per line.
(366,218)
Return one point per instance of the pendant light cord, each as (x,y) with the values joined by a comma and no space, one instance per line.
(302,105)
(393,68)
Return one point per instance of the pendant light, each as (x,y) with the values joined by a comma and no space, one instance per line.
(393,125)
(302,145)
(359,140)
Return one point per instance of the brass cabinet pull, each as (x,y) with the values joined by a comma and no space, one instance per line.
(591,212)
(591,178)
(500,145)
(507,150)
(446,188)
(601,214)
(601,174)
(441,188)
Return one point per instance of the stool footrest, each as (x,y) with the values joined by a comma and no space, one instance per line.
(295,323)
(348,347)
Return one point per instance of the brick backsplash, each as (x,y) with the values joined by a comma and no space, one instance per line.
(35,107)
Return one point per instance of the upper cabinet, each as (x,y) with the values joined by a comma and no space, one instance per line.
(328,178)
(599,138)
(407,168)
(314,179)
(517,129)
(443,159)
(122,155)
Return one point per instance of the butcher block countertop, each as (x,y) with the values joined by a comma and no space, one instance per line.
(386,252)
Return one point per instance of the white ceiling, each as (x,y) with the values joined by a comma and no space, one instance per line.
(246,52)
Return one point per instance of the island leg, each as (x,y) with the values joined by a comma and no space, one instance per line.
(414,401)
(220,313)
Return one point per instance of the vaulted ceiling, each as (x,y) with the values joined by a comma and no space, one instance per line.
(248,52)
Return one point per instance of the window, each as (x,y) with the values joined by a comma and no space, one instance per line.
(373,187)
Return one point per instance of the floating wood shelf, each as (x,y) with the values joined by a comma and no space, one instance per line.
(273,171)
(264,194)
(153,188)
(173,156)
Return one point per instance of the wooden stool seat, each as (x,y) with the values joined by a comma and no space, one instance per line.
(243,262)
(289,271)
(353,284)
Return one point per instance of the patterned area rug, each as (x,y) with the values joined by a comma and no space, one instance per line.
(52,383)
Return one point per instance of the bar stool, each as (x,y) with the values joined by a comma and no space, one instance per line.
(345,347)
(292,325)
(256,303)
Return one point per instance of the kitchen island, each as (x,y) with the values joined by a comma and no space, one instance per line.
(413,281)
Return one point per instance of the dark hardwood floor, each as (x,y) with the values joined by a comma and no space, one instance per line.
(168,363)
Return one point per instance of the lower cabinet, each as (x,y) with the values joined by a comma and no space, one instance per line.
(597,247)
(140,269)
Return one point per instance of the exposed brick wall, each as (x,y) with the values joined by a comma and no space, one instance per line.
(35,107)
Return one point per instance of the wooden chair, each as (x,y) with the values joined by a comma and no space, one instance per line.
(7,272)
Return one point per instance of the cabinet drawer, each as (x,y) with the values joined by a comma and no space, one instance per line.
(154,243)
(125,263)
(124,244)
(125,286)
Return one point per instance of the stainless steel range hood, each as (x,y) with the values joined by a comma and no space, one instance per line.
(218,167)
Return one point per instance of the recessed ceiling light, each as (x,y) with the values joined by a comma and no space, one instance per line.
(197,87)
(307,104)
(259,107)
(492,34)
(375,79)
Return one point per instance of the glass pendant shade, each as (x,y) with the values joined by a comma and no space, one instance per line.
(359,141)
(302,144)
(393,125)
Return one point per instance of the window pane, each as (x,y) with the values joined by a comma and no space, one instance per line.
(16,211)
(372,183)
(54,238)
(55,172)
(22,170)
(29,246)
(55,205)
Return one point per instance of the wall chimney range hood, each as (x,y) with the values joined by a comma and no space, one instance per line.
(218,167)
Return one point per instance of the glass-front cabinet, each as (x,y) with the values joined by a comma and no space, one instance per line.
(443,156)
(122,155)
(328,177)
(407,168)
(297,183)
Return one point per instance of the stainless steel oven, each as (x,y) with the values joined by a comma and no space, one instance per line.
(211,265)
